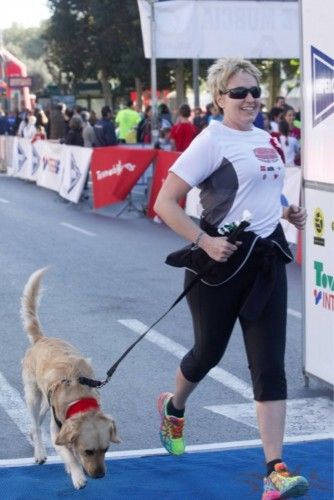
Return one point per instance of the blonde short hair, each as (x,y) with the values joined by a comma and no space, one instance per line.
(223,69)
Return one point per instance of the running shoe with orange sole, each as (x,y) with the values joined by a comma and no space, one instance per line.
(171,428)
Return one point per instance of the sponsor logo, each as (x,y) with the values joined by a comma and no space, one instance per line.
(51,165)
(35,160)
(317,296)
(21,157)
(322,85)
(266,155)
(115,170)
(324,281)
(75,174)
(319,227)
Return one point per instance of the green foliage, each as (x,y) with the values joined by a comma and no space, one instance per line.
(278,73)
(27,45)
(100,39)
(88,38)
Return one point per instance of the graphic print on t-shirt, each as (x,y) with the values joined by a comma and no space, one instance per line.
(268,155)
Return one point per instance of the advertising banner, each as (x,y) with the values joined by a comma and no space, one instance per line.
(38,149)
(164,161)
(209,29)
(291,196)
(75,161)
(2,152)
(10,147)
(319,284)
(27,158)
(115,170)
(318,171)
(318,90)
(51,165)
(50,174)
(22,157)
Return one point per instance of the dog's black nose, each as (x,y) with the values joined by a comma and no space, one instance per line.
(98,475)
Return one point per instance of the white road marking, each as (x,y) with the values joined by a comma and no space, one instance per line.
(295,313)
(227,379)
(308,416)
(14,406)
(12,403)
(3,200)
(78,229)
(116,455)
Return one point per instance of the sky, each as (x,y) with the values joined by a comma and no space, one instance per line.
(27,13)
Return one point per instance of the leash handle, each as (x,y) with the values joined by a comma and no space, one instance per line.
(234,235)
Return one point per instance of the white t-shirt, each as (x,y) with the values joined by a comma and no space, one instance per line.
(235,170)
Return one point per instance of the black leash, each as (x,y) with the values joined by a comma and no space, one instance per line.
(232,238)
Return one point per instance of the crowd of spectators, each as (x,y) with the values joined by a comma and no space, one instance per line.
(80,127)
(283,122)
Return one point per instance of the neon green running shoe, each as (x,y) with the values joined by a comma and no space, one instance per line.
(281,484)
(171,429)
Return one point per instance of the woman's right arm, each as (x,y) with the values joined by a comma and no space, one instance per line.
(167,207)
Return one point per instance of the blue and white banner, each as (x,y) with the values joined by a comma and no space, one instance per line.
(50,173)
(318,171)
(323,85)
(291,196)
(51,165)
(2,151)
(75,161)
(10,145)
(38,149)
(22,156)
(318,91)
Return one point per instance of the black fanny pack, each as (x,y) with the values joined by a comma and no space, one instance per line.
(195,259)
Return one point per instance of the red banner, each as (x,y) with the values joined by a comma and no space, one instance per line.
(115,170)
(164,161)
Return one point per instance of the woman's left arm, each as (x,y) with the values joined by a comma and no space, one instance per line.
(295,215)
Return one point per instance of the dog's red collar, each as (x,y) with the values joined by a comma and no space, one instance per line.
(81,405)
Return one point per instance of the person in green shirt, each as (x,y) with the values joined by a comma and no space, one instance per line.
(127,120)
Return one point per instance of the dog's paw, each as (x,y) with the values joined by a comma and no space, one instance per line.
(40,455)
(79,479)
(40,459)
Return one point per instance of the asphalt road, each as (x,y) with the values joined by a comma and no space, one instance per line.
(107,279)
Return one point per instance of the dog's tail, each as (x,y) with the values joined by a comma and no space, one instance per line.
(29,306)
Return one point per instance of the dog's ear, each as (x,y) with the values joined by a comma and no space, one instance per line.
(68,433)
(113,432)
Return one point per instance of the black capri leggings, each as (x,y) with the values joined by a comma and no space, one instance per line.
(215,310)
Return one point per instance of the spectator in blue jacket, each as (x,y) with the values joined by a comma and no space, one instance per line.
(4,124)
(105,129)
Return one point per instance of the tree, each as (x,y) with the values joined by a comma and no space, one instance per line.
(27,45)
(276,72)
(97,39)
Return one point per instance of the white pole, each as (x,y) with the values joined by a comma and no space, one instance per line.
(154,127)
(196,82)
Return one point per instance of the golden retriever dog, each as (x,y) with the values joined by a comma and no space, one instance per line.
(80,431)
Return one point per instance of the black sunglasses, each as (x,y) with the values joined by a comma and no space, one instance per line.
(242,92)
